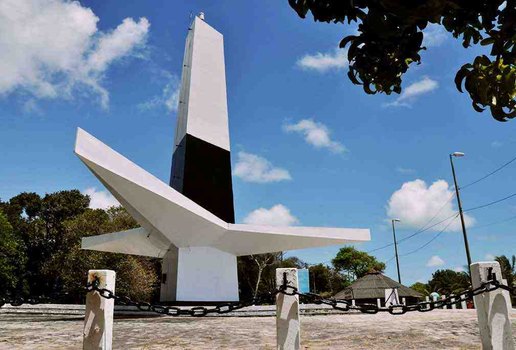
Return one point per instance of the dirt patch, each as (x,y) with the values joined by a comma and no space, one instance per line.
(439,329)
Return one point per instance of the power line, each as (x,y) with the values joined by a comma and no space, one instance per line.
(390,259)
(422,229)
(489,174)
(495,222)
(414,234)
(426,229)
(434,238)
(380,248)
(491,203)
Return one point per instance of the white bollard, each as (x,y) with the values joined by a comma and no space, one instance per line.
(404,301)
(98,320)
(353,303)
(463,305)
(442,298)
(427,298)
(378,303)
(453,306)
(492,309)
(288,328)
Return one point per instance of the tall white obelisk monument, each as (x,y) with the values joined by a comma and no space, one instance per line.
(190,223)
(201,166)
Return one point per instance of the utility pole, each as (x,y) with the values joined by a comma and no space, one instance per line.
(457,192)
(396,248)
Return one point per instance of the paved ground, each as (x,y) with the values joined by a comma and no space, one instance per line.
(439,329)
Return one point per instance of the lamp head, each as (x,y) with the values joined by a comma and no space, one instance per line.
(458,154)
(396,220)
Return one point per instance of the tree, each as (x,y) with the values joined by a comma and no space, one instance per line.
(262,261)
(355,264)
(448,282)
(421,288)
(508,268)
(326,281)
(12,258)
(390,38)
(46,233)
(252,282)
(136,276)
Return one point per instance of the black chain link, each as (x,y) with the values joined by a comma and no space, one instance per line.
(268,298)
(18,300)
(197,311)
(400,309)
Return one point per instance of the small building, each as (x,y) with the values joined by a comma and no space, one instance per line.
(371,287)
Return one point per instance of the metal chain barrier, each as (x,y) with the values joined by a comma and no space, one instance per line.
(197,311)
(268,298)
(346,305)
(19,300)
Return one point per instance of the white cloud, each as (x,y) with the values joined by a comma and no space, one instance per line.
(434,35)
(413,91)
(415,204)
(31,107)
(402,170)
(496,144)
(100,199)
(435,261)
(51,48)
(489,257)
(169,97)
(459,269)
(253,168)
(323,62)
(317,134)
(278,215)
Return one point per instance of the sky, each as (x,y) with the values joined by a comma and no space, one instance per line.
(308,147)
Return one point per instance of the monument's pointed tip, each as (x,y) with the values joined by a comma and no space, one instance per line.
(80,132)
(201,15)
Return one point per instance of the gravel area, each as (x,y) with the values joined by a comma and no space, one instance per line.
(439,329)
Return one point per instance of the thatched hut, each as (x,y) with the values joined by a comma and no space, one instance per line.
(371,287)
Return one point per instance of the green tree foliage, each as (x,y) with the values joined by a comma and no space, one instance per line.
(508,268)
(257,273)
(323,279)
(390,38)
(421,288)
(47,233)
(354,264)
(12,258)
(448,282)
(326,281)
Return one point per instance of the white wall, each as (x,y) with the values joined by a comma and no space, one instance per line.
(206,274)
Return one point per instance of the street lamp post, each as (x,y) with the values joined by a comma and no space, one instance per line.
(396,248)
(457,192)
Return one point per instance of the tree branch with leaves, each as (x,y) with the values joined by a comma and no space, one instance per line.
(391,36)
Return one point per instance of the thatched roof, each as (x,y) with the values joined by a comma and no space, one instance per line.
(373,286)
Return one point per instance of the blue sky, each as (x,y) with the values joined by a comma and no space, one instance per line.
(308,147)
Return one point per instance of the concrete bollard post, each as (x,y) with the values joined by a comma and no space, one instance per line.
(492,309)
(353,302)
(378,303)
(404,301)
(427,298)
(463,305)
(288,328)
(453,306)
(98,320)
(442,298)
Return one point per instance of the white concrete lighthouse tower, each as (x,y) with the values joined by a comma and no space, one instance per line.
(190,223)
